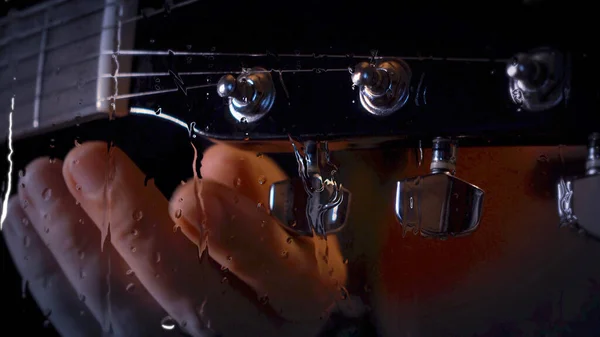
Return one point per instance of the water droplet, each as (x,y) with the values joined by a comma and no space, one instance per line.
(237,182)
(167,323)
(22,185)
(344,293)
(81,254)
(21,173)
(46,230)
(52,160)
(133,249)
(82,297)
(46,216)
(25,222)
(292,223)
(81,221)
(26,241)
(224,269)
(175,228)
(76,161)
(138,215)
(82,274)
(78,187)
(243,120)
(259,155)
(262,179)
(178,213)
(77,203)
(180,199)
(135,232)
(543,158)
(77,144)
(224,279)
(264,299)
(259,205)
(346,261)
(157,257)
(229,258)
(263,223)
(130,287)
(129,272)
(285,254)
(289,240)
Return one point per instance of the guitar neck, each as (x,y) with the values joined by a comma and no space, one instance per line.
(54,64)
(70,61)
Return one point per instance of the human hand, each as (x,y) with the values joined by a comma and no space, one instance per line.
(235,271)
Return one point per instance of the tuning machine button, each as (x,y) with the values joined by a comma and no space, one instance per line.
(439,204)
(314,202)
(578,197)
(250,96)
(384,86)
(538,79)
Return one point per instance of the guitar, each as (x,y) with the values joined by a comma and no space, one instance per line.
(255,78)
(308,79)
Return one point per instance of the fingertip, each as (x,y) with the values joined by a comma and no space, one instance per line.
(84,151)
(249,173)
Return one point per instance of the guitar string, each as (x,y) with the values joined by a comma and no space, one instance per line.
(204,54)
(188,88)
(82,83)
(180,53)
(196,54)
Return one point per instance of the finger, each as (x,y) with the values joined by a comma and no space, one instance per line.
(141,231)
(74,242)
(245,239)
(50,288)
(251,174)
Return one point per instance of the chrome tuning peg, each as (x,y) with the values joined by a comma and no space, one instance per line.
(578,198)
(538,79)
(315,202)
(384,86)
(251,95)
(439,204)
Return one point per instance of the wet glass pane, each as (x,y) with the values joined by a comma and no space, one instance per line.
(205,168)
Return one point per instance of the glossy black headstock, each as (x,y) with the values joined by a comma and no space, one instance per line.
(457,87)
(449,74)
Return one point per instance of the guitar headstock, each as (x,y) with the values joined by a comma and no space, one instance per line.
(328,73)
(257,75)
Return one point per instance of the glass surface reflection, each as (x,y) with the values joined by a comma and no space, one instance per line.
(126,220)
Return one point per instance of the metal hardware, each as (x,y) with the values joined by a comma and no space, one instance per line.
(384,86)
(439,204)
(537,80)
(251,95)
(314,202)
(578,197)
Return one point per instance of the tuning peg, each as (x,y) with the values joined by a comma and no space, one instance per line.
(578,197)
(538,79)
(384,86)
(439,204)
(250,96)
(314,202)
